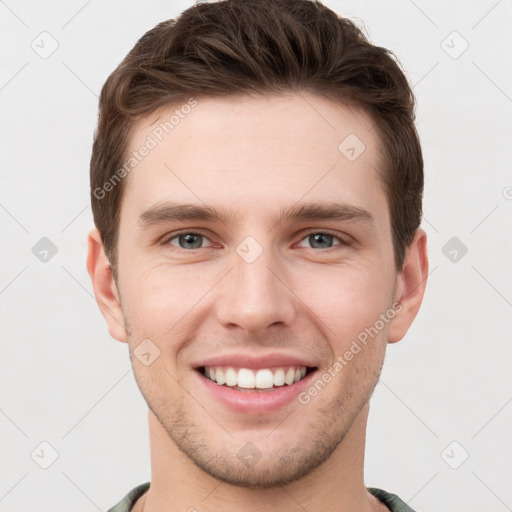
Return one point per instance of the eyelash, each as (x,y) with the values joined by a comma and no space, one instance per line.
(341,241)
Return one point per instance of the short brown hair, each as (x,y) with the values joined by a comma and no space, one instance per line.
(245,47)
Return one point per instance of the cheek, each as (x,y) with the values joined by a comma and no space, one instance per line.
(347,300)
(148,282)
(160,300)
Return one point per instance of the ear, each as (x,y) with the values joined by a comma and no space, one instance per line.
(105,289)
(410,286)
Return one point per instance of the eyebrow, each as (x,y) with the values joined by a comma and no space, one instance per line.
(171,211)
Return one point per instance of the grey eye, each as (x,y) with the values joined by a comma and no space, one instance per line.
(188,240)
(321,240)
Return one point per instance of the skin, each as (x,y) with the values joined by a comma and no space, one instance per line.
(253,157)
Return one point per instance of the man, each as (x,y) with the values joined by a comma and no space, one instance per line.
(256,184)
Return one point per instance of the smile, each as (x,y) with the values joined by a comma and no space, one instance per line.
(246,379)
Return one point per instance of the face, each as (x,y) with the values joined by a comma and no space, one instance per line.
(255,250)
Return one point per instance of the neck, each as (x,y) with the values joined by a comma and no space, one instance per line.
(337,485)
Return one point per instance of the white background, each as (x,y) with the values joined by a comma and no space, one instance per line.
(66,382)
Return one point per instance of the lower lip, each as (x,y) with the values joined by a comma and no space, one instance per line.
(255,402)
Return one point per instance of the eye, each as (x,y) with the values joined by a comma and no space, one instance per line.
(187,240)
(321,240)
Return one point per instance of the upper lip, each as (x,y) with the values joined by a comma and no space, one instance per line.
(251,361)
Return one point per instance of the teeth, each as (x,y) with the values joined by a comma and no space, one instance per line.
(231,377)
(245,378)
(279,377)
(290,376)
(264,378)
(220,377)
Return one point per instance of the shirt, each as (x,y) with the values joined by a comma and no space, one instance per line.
(392,501)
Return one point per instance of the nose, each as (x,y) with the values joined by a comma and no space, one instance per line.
(256,296)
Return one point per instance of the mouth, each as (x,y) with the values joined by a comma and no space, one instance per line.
(255,380)
(254,389)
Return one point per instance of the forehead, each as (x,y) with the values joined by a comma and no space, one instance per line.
(253,152)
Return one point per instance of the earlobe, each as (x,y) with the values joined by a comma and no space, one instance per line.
(410,287)
(105,289)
